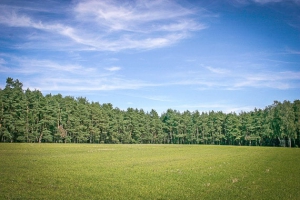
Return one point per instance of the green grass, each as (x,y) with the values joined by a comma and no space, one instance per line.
(90,171)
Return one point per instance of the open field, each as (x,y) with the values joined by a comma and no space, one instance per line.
(89,171)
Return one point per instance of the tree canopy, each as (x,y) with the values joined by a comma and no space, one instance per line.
(30,116)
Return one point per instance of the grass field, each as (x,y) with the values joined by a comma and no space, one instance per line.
(89,171)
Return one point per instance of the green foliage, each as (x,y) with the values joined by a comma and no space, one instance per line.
(29,116)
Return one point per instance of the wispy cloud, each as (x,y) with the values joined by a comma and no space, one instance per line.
(161,98)
(277,80)
(275,1)
(224,107)
(47,75)
(109,25)
(237,78)
(69,77)
(78,84)
(245,2)
(114,68)
(267,1)
(137,16)
(239,3)
(47,67)
(2,61)
(217,70)
(290,51)
(12,17)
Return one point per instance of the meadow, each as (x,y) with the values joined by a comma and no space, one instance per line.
(91,171)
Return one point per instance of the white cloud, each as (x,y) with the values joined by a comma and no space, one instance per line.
(226,108)
(112,69)
(275,1)
(267,1)
(236,78)
(133,16)
(9,17)
(109,25)
(46,67)
(12,18)
(277,80)
(160,98)
(53,76)
(217,70)
(2,61)
(84,85)
(290,51)
(246,2)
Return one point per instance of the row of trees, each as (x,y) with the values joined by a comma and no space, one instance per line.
(29,116)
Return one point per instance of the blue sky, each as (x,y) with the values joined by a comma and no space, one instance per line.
(228,55)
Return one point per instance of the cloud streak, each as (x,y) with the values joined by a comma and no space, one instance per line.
(139,16)
(110,25)
(245,2)
(277,80)
(226,108)
(49,74)
(275,1)
(113,69)
(237,79)
(218,70)
(52,76)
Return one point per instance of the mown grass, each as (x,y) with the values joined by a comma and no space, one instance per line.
(89,171)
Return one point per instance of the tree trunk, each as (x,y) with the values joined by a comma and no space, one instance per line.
(197,132)
(27,124)
(40,137)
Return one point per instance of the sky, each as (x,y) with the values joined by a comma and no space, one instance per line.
(221,55)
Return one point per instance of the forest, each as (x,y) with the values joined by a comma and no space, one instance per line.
(29,116)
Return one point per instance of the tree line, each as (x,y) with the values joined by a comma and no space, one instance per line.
(29,116)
